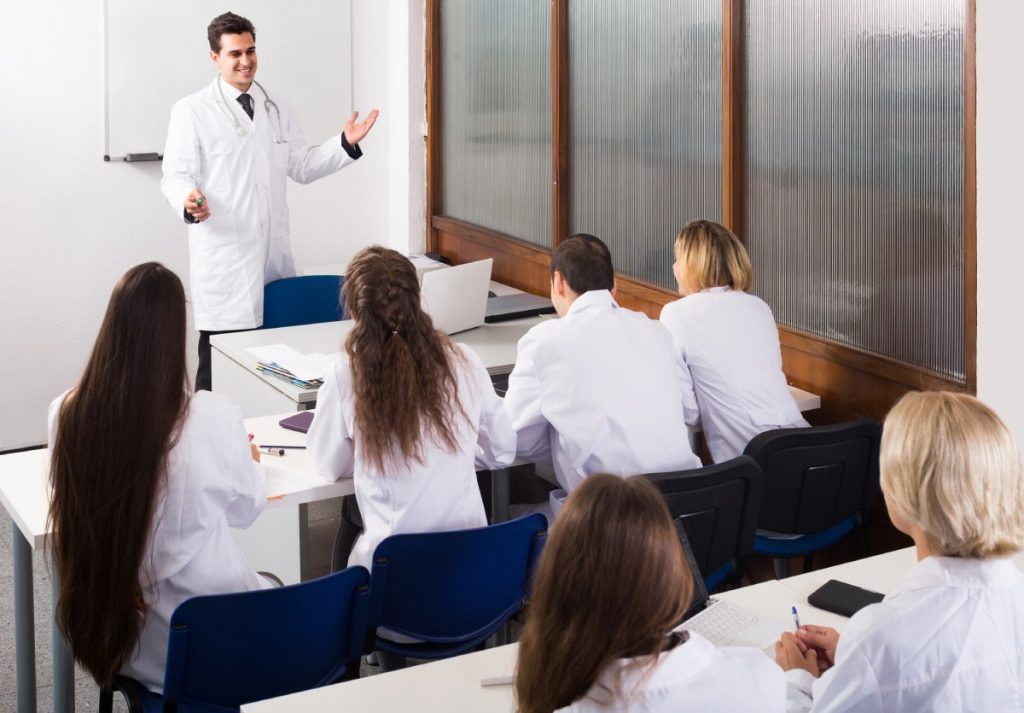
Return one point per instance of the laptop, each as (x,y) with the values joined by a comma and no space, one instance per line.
(456,297)
(506,307)
(724,623)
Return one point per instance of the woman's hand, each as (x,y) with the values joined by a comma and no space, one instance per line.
(789,656)
(823,640)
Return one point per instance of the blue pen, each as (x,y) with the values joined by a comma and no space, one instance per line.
(796,618)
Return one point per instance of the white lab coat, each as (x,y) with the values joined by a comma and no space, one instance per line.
(730,343)
(441,493)
(212,484)
(949,639)
(601,391)
(244,243)
(693,676)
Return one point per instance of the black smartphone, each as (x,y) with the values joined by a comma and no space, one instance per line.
(842,598)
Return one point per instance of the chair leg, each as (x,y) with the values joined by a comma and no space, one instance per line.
(781,567)
(808,562)
(390,661)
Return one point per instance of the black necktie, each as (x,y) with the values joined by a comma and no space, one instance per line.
(246,101)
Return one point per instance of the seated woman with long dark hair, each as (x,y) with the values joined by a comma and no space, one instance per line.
(147,478)
(601,628)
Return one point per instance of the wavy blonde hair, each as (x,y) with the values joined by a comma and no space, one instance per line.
(949,465)
(713,257)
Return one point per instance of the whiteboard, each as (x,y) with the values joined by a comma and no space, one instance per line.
(157,52)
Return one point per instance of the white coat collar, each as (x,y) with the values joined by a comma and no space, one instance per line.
(719,288)
(231,91)
(961,573)
(593,299)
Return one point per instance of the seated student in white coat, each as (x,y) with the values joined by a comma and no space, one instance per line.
(950,637)
(406,412)
(601,389)
(601,627)
(729,341)
(147,480)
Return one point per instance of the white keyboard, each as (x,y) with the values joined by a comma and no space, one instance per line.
(723,623)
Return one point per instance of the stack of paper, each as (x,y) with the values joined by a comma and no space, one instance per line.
(281,361)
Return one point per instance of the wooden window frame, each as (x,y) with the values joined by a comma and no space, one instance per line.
(851,381)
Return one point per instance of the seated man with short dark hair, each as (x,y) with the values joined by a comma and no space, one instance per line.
(601,389)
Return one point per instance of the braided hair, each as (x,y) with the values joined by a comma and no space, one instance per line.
(402,367)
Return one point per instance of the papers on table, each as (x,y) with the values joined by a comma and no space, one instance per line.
(281,361)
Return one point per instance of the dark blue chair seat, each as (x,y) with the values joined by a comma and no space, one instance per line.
(307,299)
(717,507)
(820,484)
(228,649)
(452,590)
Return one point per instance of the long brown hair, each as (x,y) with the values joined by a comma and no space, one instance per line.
(402,368)
(612,583)
(108,461)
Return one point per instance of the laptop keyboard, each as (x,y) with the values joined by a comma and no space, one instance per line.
(721,623)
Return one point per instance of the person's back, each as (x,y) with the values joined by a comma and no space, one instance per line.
(406,413)
(602,631)
(950,636)
(599,389)
(147,481)
(729,341)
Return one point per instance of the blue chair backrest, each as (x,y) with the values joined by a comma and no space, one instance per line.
(458,586)
(816,477)
(307,299)
(228,649)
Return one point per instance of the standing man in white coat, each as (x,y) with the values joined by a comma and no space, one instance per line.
(601,389)
(230,147)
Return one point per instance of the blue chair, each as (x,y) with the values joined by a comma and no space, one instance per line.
(452,590)
(820,484)
(307,299)
(717,506)
(228,649)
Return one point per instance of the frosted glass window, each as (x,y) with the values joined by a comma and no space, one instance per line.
(645,125)
(496,116)
(854,144)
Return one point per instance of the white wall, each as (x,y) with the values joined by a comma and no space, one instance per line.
(73,224)
(1000,221)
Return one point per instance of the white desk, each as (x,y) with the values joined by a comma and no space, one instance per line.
(25,495)
(453,685)
(235,374)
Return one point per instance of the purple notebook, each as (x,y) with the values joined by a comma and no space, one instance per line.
(299,422)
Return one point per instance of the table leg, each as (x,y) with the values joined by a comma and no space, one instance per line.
(500,506)
(63,663)
(24,624)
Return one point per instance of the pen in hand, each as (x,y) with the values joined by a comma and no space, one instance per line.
(796,618)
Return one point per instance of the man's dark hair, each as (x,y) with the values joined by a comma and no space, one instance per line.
(585,263)
(228,24)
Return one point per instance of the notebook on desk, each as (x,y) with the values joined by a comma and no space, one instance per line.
(724,623)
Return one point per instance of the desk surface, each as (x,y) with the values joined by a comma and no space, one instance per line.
(453,685)
(291,479)
(494,343)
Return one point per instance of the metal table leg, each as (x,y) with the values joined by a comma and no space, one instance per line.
(500,507)
(24,623)
(63,663)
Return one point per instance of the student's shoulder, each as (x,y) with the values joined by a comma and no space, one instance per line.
(211,407)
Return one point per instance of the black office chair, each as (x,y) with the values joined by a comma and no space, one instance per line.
(821,483)
(717,507)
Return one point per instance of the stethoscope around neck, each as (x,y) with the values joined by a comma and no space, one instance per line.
(268,103)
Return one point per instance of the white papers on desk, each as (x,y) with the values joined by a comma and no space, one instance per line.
(305,369)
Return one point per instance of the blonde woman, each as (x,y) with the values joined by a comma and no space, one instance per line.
(600,632)
(728,339)
(950,637)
